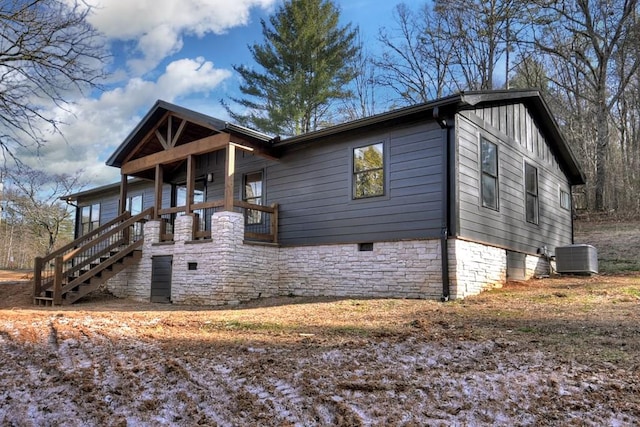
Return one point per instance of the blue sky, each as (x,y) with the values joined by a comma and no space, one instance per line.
(178,51)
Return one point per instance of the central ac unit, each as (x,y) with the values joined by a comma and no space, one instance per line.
(577,259)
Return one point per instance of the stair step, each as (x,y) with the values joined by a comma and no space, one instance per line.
(100,273)
(43,301)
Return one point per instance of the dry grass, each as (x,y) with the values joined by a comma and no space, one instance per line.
(554,351)
(617,242)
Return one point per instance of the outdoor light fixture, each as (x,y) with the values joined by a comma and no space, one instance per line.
(210,177)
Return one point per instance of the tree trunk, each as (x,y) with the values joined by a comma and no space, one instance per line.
(602,144)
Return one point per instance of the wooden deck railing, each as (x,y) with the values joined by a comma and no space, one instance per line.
(261,222)
(58,268)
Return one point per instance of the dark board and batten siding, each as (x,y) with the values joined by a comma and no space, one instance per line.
(313,187)
(519,139)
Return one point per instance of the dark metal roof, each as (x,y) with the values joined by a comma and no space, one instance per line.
(442,108)
(448,106)
(155,114)
(107,188)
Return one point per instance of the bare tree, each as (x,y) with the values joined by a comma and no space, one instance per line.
(364,88)
(47,51)
(32,199)
(451,45)
(587,37)
(483,33)
(415,59)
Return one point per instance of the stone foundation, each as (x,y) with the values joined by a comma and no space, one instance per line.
(404,269)
(536,266)
(226,269)
(474,267)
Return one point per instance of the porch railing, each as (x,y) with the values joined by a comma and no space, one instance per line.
(55,269)
(261,222)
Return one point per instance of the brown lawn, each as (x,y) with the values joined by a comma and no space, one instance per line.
(558,351)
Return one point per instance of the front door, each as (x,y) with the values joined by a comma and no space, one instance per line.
(161,278)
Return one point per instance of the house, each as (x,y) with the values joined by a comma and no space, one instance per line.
(438,200)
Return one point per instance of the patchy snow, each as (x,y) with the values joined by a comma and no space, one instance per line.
(87,371)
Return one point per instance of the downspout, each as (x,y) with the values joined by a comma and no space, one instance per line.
(444,232)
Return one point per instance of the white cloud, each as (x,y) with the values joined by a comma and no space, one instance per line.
(157,26)
(95,127)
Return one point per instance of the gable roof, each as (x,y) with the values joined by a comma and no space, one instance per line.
(445,107)
(197,125)
(203,125)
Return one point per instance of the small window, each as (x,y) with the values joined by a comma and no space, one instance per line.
(252,193)
(368,171)
(531,189)
(489,160)
(565,200)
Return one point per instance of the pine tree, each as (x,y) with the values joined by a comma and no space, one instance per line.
(305,62)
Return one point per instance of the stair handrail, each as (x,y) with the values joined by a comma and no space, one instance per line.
(79,246)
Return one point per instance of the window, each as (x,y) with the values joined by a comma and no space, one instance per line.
(489,187)
(531,189)
(134,204)
(180,194)
(565,200)
(368,171)
(89,218)
(252,193)
(179,199)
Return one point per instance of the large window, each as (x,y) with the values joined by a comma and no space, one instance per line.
(252,193)
(489,185)
(134,204)
(531,189)
(179,199)
(368,171)
(180,194)
(89,218)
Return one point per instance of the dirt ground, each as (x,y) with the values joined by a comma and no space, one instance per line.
(557,351)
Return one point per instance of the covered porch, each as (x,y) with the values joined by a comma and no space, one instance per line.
(192,161)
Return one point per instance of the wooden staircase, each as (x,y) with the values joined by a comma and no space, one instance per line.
(73,271)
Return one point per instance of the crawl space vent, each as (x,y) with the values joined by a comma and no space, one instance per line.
(578,259)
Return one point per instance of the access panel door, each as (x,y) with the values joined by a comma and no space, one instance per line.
(161,278)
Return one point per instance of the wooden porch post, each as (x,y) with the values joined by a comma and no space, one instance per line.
(123,193)
(37,276)
(57,281)
(230,167)
(191,181)
(126,235)
(158,191)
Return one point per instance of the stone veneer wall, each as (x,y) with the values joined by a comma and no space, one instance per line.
(536,266)
(227,270)
(474,267)
(230,270)
(402,269)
